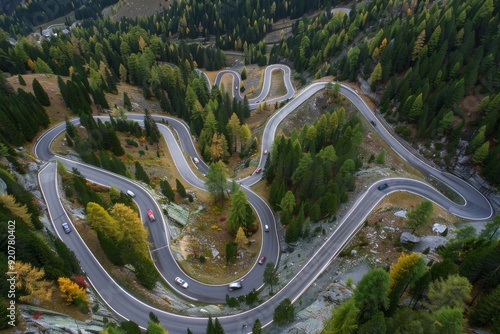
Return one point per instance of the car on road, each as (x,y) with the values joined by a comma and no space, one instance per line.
(196,160)
(373,123)
(151,215)
(266,228)
(130,193)
(258,170)
(262,259)
(266,151)
(234,286)
(383,186)
(66,228)
(181,282)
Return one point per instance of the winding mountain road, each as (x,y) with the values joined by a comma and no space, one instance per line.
(476,207)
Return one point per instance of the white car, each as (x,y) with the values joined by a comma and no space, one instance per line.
(181,282)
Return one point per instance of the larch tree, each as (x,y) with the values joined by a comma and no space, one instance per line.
(478,140)
(419,43)
(370,295)
(454,291)
(406,270)
(155,328)
(216,180)
(233,127)
(375,76)
(245,135)
(30,283)
(449,320)
(481,153)
(241,238)
(71,291)
(491,229)
(287,205)
(416,109)
(41,67)
(17,209)
(420,216)
(344,319)
(240,212)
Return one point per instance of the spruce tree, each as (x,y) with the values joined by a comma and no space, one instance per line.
(21,80)
(140,174)
(40,93)
(180,188)
(166,190)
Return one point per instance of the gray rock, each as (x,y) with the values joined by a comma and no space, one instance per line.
(439,228)
(408,237)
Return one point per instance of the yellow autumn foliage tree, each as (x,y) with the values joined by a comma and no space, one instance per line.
(241,238)
(17,209)
(403,269)
(133,232)
(71,291)
(30,280)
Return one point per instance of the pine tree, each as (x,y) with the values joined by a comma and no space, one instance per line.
(140,173)
(21,80)
(420,216)
(166,190)
(126,102)
(42,67)
(481,153)
(180,188)
(416,109)
(40,93)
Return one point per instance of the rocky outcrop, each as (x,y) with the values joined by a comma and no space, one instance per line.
(408,237)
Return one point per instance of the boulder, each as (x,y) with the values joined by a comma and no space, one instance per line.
(439,228)
(408,237)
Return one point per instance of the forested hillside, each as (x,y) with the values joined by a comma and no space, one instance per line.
(21,17)
(434,67)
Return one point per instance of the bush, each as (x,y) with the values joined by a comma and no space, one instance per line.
(131,142)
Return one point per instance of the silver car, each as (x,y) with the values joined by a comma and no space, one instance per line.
(181,282)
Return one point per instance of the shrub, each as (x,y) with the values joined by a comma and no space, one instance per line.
(131,142)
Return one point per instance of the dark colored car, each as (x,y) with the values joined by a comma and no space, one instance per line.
(373,123)
(383,186)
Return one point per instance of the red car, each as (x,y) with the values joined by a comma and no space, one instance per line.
(151,216)
(262,260)
(258,170)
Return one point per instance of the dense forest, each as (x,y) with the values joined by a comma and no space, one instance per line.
(423,60)
(20,18)
(311,172)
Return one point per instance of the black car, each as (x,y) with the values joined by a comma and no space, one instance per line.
(383,186)
(66,228)
(373,123)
